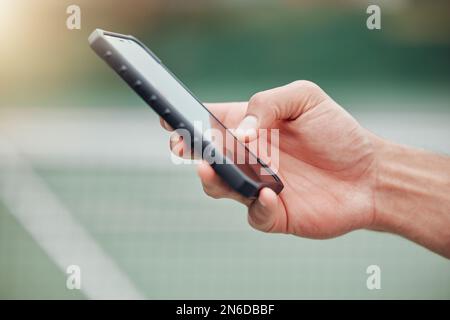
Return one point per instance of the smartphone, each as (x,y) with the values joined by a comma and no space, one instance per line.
(144,72)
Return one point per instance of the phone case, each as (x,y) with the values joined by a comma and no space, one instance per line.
(229,172)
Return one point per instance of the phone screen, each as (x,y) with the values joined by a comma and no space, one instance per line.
(166,84)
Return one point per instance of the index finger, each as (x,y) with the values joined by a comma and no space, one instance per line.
(228,113)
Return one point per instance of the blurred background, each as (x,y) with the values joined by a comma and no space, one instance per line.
(85,173)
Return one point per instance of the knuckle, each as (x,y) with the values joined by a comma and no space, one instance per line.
(257,99)
(307,86)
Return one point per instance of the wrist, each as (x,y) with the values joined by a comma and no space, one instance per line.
(411,195)
(386,186)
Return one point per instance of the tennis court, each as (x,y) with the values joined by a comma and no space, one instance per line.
(86,177)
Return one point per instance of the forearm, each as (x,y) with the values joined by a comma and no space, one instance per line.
(412,195)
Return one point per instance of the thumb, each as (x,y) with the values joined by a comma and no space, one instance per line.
(283,103)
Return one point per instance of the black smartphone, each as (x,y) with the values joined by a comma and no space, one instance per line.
(141,69)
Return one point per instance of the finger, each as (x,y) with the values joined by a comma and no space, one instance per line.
(230,119)
(178,147)
(222,112)
(267,213)
(165,125)
(215,187)
(228,113)
(176,144)
(283,103)
(244,135)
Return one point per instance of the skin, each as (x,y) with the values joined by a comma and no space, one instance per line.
(337,175)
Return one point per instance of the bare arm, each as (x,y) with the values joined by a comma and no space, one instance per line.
(412,195)
(338,176)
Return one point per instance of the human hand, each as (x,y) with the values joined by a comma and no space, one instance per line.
(326,162)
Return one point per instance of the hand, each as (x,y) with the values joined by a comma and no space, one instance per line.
(326,162)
